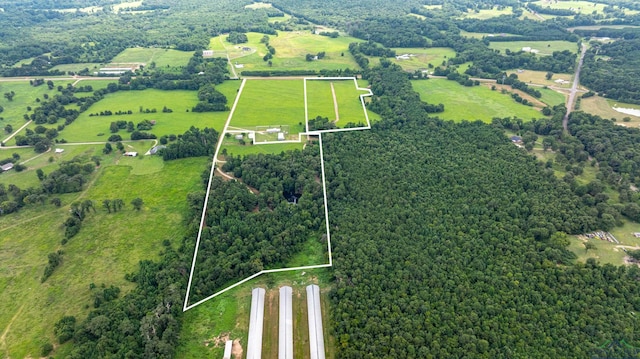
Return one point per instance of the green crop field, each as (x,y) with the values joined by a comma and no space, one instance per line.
(291,50)
(88,128)
(107,247)
(471,103)
(546,48)
(25,95)
(162,57)
(487,14)
(271,102)
(421,58)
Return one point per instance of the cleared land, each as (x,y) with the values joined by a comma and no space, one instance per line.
(25,95)
(258,5)
(551,97)
(320,101)
(271,102)
(107,247)
(479,35)
(471,103)
(420,58)
(79,67)
(162,57)
(291,50)
(488,13)
(581,7)
(604,108)
(539,77)
(546,48)
(96,128)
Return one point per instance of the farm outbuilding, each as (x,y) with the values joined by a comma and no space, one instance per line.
(207,53)
(280,136)
(254,343)
(6,167)
(285,325)
(316,337)
(131,154)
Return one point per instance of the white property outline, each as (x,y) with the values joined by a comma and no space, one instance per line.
(324,185)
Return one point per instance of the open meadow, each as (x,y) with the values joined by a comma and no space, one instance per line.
(471,103)
(421,59)
(539,78)
(88,128)
(291,50)
(108,246)
(320,101)
(25,96)
(603,107)
(580,7)
(484,14)
(270,103)
(162,57)
(545,48)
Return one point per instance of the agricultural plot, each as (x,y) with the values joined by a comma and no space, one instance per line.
(539,78)
(93,67)
(338,100)
(605,108)
(270,103)
(145,56)
(291,50)
(487,13)
(25,96)
(471,103)
(422,59)
(107,247)
(545,48)
(88,128)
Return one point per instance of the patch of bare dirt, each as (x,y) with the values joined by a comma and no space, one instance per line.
(218,341)
(236,350)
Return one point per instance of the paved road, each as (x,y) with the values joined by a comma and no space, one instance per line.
(574,89)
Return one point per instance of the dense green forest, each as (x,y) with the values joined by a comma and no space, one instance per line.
(456,250)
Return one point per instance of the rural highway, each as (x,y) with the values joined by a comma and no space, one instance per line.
(574,89)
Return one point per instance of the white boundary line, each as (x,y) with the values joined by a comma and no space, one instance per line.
(324,184)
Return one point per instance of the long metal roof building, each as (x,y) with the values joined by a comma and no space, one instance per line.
(316,337)
(254,345)
(285,338)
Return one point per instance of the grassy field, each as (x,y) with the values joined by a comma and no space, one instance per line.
(471,103)
(25,95)
(479,35)
(162,57)
(93,67)
(539,77)
(581,7)
(423,57)
(232,147)
(604,108)
(258,5)
(107,247)
(291,49)
(607,252)
(487,14)
(88,128)
(257,107)
(546,48)
(320,101)
(126,5)
(227,316)
(551,97)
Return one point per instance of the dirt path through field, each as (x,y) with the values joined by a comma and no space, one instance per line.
(335,103)
(3,338)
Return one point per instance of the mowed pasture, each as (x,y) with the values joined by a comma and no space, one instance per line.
(580,7)
(480,35)
(320,101)
(421,58)
(291,50)
(271,103)
(545,48)
(539,77)
(107,247)
(604,108)
(88,128)
(484,14)
(92,66)
(25,96)
(146,55)
(471,103)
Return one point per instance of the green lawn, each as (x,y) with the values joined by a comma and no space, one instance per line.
(291,49)
(551,97)
(25,95)
(605,252)
(88,128)
(471,103)
(233,148)
(107,247)
(271,102)
(546,48)
(421,58)
(162,57)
